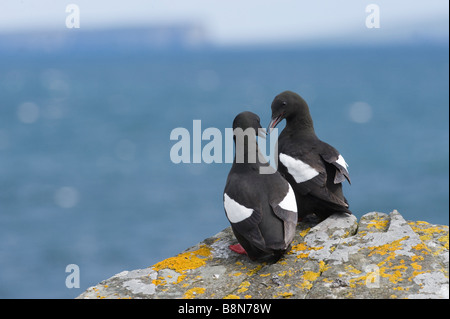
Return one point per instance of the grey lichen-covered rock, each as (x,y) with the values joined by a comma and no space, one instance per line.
(382,256)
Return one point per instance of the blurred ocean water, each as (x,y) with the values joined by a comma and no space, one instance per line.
(85,172)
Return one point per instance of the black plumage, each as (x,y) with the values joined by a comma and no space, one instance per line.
(314,168)
(261,207)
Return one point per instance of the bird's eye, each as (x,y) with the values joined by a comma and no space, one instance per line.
(284,103)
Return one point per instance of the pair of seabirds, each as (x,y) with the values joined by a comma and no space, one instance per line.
(263,209)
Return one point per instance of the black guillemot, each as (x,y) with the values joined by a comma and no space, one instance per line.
(261,208)
(314,168)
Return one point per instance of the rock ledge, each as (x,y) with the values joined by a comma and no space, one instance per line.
(382,256)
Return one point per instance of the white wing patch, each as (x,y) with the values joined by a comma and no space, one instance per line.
(301,171)
(235,211)
(341,161)
(289,202)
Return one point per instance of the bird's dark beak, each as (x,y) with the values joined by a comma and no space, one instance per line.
(274,122)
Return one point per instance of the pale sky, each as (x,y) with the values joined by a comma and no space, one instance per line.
(239,21)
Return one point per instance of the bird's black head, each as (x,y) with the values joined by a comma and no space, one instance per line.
(247,120)
(246,126)
(289,105)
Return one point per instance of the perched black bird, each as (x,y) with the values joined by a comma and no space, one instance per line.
(260,207)
(314,168)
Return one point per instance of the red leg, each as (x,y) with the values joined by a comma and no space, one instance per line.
(238,249)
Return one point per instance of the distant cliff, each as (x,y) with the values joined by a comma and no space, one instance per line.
(382,256)
(100,41)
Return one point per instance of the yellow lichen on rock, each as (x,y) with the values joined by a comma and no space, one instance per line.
(389,248)
(283,295)
(377,224)
(422,247)
(304,232)
(428,231)
(243,287)
(308,278)
(193,292)
(185,261)
(394,275)
(323,266)
(352,270)
(231,296)
(382,256)
(254,270)
(302,250)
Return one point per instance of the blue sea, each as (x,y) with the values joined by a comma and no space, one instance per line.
(86,176)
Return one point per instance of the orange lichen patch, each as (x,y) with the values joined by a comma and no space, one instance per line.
(322,266)
(423,247)
(416,271)
(283,295)
(302,250)
(157,282)
(444,241)
(377,224)
(304,232)
(352,269)
(161,281)
(180,279)
(243,287)
(388,249)
(366,279)
(299,247)
(303,255)
(311,275)
(401,267)
(361,280)
(387,269)
(427,231)
(193,292)
(254,270)
(416,266)
(231,297)
(393,273)
(308,278)
(395,276)
(185,261)
(288,272)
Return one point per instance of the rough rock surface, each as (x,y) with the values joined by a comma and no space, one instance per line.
(382,256)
